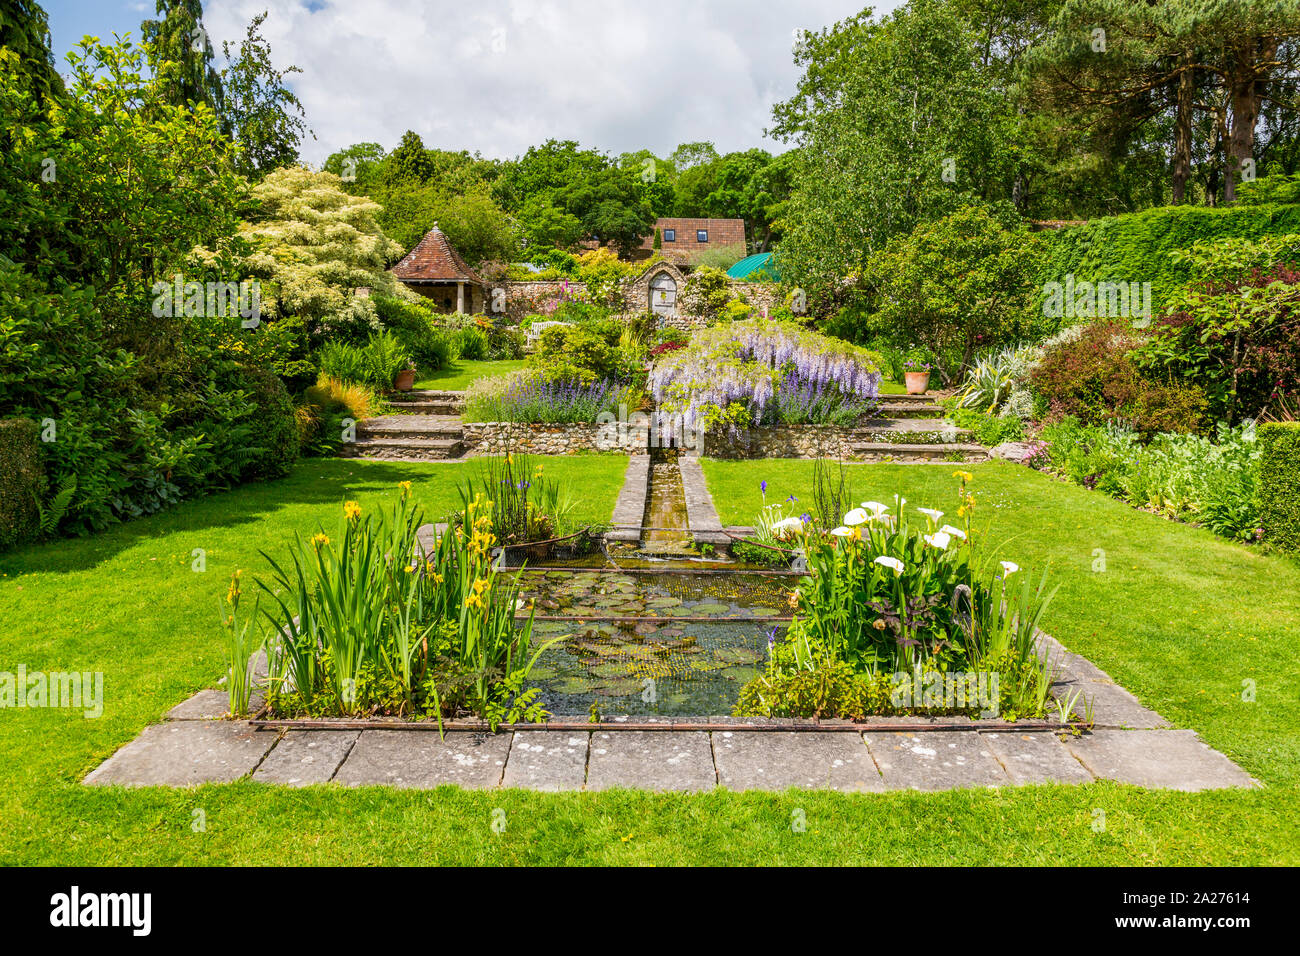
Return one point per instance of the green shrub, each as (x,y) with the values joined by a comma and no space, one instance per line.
(275,438)
(1279,493)
(418,331)
(22,482)
(1212,482)
(575,353)
(989,430)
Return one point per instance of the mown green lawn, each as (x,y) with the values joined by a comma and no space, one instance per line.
(1179,616)
(457,377)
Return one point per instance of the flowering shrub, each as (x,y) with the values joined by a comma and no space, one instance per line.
(1213,482)
(528,396)
(889,597)
(1095,378)
(761,372)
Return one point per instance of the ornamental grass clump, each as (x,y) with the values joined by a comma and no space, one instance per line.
(366,622)
(764,372)
(896,598)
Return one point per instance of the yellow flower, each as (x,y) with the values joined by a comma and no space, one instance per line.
(406,488)
(351,510)
(965,476)
(320,540)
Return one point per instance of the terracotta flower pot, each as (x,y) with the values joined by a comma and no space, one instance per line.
(917,382)
(405,380)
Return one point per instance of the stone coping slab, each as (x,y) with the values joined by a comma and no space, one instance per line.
(186,753)
(813,761)
(651,761)
(629,509)
(1159,759)
(1129,744)
(192,752)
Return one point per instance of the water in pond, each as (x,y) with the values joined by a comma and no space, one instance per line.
(621,653)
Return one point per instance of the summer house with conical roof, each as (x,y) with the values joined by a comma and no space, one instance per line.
(435,270)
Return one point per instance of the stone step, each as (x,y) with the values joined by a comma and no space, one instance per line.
(403,449)
(426,394)
(900,451)
(904,397)
(411,426)
(915,430)
(428,407)
(910,409)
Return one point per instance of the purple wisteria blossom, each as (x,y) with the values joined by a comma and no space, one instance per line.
(776,371)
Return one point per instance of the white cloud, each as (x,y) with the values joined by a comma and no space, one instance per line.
(500,75)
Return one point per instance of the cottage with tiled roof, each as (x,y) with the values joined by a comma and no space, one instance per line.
(435,269)
(683,241)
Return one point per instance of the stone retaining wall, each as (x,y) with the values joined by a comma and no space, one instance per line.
(496,438)
(782,441)
(525,297)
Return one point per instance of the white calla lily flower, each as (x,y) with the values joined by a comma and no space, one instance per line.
(931,513)
(889,562)
(856,517)
(955,532)
(842,531)
(1009,568)
(875,507)
(938,540)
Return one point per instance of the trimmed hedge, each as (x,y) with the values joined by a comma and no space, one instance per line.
(1279,484)
(22,482)
(1135,247)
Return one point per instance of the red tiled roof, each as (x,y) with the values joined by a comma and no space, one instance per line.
(434,259)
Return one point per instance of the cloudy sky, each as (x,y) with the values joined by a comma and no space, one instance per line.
(499,75)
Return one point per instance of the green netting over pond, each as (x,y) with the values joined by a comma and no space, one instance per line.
(618,657)
(656,595)
(687,669)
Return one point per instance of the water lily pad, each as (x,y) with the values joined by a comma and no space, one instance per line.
(741,674)
(737,655)
(703,610)
(619,688)
(574,685)
(609,670)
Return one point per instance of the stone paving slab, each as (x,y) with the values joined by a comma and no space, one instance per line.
(415,758)
(1171,759)
(935,760)
(185,753)
(651,760)
(304,757)
(808,760)
(547,760)
(205,705)
(1035,758)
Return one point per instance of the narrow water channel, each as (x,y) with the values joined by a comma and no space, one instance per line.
(666,526)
